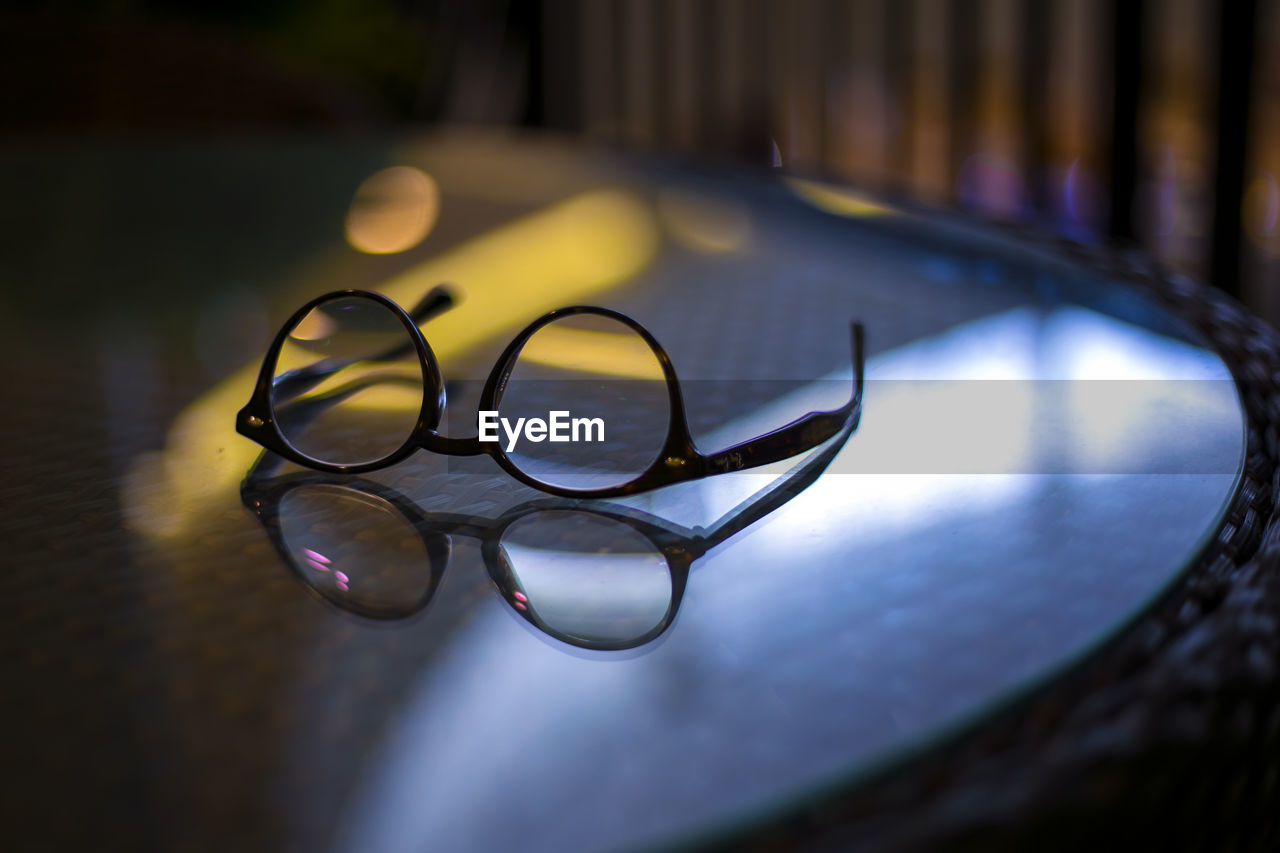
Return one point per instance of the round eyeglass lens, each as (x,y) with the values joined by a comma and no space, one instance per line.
(358,551)
(348,385)
(586,406)
(588,579)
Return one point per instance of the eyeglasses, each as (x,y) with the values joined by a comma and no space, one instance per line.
(594,575)
(584,402)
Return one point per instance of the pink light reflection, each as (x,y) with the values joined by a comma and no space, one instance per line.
(316,555)
(520,595)
(317,565)
(519,606)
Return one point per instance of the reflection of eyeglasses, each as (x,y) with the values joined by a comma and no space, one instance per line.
(596,576)
(350,385)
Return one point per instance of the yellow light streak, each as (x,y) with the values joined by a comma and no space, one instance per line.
(565,253)
(588,351)
(838,200)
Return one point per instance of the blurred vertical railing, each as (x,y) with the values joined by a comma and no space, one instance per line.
(1141,120)
(1236,39)
(1260,268)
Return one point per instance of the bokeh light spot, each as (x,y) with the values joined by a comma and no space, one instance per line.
(393,210)
(314,327)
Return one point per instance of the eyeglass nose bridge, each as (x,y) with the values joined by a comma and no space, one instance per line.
(433,441)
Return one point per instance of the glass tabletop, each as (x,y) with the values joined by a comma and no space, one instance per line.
(407,658)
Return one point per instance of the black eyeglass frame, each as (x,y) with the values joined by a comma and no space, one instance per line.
(678,461)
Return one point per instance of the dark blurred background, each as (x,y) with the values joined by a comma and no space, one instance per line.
(1151,122)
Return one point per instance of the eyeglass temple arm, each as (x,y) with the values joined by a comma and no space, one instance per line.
(301,380)
(758,506)
(438,300)
(297,413)
(800,435)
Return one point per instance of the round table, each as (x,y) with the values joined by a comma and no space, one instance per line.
(1025,565)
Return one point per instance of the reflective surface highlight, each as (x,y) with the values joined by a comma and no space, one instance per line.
(354,549)
(585,576)
(593,574)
